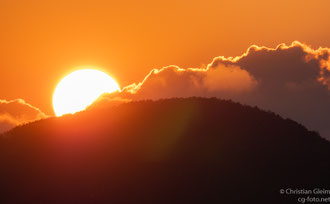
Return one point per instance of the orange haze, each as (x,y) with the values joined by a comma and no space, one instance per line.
(42,41)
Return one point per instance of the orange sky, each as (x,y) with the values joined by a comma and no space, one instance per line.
(42,41)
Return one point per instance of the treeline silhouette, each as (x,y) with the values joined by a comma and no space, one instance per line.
(192,150)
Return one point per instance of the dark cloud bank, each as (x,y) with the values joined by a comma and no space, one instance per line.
(291,80)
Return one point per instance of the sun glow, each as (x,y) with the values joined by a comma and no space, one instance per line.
(80,89)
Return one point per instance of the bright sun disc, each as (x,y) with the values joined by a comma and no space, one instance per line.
(80,89)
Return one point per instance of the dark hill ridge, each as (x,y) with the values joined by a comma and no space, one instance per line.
(191,150)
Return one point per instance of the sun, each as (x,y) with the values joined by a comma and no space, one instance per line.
(80,89)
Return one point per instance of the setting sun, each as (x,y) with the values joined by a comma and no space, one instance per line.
(80,89)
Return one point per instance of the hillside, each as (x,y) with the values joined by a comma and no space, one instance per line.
(191,150)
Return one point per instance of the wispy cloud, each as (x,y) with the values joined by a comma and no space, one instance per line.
(17,112)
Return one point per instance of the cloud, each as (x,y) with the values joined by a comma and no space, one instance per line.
(17,112)
(173,81)
(292,80)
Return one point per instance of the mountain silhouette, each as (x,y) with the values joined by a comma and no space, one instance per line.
(193,150)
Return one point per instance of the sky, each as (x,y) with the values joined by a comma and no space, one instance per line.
(43,41)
